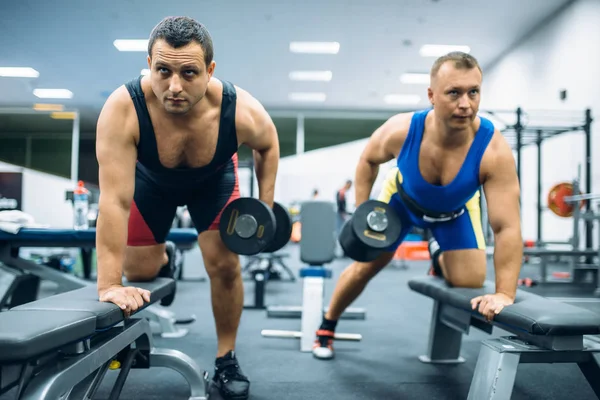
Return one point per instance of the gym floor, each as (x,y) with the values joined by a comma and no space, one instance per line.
(383,365)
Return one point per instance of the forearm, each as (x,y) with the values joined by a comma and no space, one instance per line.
(111,242)
(366,173)
(266,163)
(508,256)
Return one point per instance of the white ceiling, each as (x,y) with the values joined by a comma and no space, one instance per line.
(70,43)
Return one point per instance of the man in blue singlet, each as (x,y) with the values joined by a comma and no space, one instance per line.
(171,139)
(444,156)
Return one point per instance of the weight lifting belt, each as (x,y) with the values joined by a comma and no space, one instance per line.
(423,213)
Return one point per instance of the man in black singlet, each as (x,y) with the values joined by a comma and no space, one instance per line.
(171,139)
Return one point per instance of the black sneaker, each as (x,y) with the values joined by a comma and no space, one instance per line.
(168,271)
(229,379)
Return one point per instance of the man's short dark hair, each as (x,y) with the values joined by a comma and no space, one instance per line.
(460,59)
(181,31)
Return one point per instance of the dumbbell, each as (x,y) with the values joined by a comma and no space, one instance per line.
(373,228)
(249,226)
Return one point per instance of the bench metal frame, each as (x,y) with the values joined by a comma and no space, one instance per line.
(166,322)
(499,358)
(53,376)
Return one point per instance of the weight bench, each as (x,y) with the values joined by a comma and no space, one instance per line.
(545,331)
(577,270)
(49,346)
(184,239)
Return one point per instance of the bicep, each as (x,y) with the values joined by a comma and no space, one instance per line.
(502,193)
(116,153)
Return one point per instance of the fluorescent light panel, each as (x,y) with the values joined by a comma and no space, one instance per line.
(321,76)
(18,72)
(412,78)
(131,44)
(307,96)
(48,107)
(438,50)
(315,47)
(53,93)
(402,99)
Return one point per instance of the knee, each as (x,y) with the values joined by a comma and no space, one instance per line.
(133,275)
(226,268)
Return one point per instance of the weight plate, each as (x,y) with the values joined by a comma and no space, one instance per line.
(283,228)
(247,226)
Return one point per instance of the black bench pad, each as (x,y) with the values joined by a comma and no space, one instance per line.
(86,299)
(26,334)
(530,313)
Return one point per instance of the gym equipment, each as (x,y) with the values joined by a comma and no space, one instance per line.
(263,268)
(543,331)
(247,226)
(165,320)
(372,229)
(317,248)
(561,198)
(60,340)
(283,228)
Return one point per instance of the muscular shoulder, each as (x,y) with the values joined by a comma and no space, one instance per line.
(250,115)
(118,116)
(393,132)
(498,156)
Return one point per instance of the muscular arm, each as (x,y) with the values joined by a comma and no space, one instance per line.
(257,131)
(116,153)
(383,145)
(502,195)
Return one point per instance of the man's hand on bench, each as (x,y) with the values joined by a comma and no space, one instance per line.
(490,305)
(127,298)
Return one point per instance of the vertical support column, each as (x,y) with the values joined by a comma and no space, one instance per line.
(539,186)
(300,134)
(28,151)
(518,131)
(589,225)
(75,151)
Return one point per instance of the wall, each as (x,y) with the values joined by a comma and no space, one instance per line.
(44,197)
(562,54)
(324,169)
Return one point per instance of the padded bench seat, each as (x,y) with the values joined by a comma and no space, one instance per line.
(547,331)
(52,322)
(530,313)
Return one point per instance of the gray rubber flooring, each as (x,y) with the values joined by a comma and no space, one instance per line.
(384,365)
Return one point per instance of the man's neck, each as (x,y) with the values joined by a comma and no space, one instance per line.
(451,138)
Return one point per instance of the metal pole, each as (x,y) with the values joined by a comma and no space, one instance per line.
(589,225)
(75,150)
(518,130)
(539,186)
(300,134)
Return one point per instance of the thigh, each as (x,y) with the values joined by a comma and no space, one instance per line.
(463,246)
(218,259)
(207,203)
(151,215)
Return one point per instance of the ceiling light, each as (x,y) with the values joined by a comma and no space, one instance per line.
(48,107)
(411,78)
(322,76)
(308,96)
(53,93)
(18,72)
(131,45)
(315,47)
(438,50)
(145,72)
(402,99)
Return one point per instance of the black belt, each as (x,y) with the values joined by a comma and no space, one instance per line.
(423,213)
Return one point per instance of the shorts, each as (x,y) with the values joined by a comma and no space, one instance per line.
(464,232)
(155,204)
